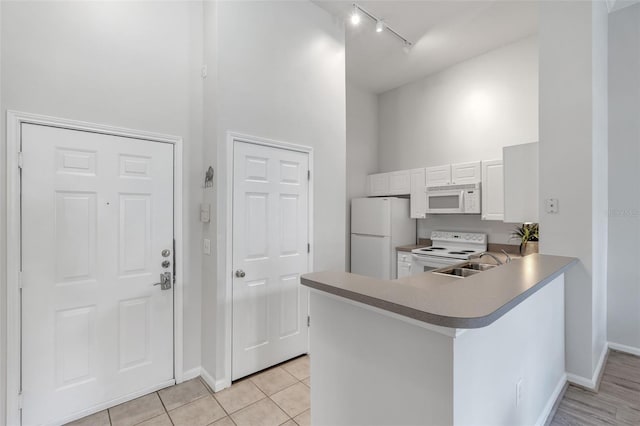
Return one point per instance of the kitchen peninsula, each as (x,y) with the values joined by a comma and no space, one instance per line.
(434,349)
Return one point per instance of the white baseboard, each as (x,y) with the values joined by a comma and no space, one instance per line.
(555,395)
(191,374)
(590,383)
(624,348)
(215,385)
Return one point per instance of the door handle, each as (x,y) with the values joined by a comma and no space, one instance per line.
(165,281)
(240,273)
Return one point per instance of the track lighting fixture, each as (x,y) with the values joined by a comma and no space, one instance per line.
(356,18)
(355,15)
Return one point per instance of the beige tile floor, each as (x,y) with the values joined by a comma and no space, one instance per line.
(277,396)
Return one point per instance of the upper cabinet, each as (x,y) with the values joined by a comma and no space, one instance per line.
(378,185)
(438,175)
(454,174)
(463,173)
(492,190)
(521,183)
(418,198)
(385,184)
(399,182)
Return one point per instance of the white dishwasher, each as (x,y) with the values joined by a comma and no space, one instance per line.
(404,264)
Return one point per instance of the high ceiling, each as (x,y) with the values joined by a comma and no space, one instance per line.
(443,33)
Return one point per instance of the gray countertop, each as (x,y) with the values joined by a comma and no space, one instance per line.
(447,301)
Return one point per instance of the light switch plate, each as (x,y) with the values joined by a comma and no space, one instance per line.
(205,213)
(206,246)
(551,205)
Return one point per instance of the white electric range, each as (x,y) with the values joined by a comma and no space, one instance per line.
(448,248)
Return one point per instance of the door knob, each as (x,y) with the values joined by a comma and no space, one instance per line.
(240,273)
(165,281)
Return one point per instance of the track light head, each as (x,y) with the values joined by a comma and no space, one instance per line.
(355,16)
(380,26)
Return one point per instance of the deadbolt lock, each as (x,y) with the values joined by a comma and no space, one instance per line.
(166,263)
(240,273)
(166,253)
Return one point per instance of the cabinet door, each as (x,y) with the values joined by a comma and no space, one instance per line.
(399,183)
(463,173)
(418,196)
(378,185)
(404,256)
(492,190)
(438,175)
(404,269)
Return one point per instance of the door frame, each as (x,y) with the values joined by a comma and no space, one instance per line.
(15,119)
(232,138)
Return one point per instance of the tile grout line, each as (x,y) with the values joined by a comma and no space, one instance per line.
(283,389)
(165,408)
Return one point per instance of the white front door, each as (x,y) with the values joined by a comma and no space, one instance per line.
(97,213)
(270,238)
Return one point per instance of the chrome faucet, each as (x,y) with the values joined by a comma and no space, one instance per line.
(479,256)
(508,257)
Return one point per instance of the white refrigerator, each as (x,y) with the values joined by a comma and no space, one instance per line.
(378,226)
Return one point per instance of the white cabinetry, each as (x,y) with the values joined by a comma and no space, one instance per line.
(399,183)
(438,175)
(463,173)
(454,174)
(418,196)
(378,185)
(521,183)
(385,184)
(492,190)
(404,264)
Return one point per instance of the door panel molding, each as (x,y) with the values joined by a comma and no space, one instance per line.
(15,119)
(226,225)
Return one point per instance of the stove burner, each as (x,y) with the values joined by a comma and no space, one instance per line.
(458,252)
(437,248)
(468,251)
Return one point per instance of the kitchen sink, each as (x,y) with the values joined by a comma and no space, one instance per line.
(477,266)
(457,272)
(465,269)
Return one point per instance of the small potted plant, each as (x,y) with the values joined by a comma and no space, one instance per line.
(528,234)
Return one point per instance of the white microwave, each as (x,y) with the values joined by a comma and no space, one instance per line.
(453,199)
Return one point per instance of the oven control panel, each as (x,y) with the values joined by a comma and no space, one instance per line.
(463,237)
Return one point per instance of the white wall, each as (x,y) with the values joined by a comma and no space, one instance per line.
(465,113)
(127,64)
(624,173)
(498,232)
(362,148)
(212,317)
(3,257)
(280,75)
(573,119)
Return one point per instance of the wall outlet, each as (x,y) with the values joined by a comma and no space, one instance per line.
(518,393)
(551,205)
(206,246)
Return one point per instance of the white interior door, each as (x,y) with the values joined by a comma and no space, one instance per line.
(270,237)
(97,211)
